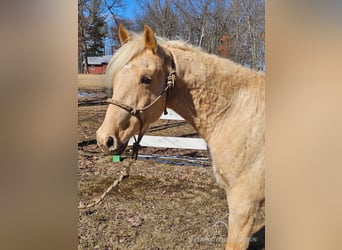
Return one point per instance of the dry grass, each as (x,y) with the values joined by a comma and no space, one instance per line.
(88,81)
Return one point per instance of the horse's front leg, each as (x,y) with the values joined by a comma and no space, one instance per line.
(244,200)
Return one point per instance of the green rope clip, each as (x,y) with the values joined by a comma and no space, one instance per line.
(116,158)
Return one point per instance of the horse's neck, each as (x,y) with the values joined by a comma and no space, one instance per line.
(208,88)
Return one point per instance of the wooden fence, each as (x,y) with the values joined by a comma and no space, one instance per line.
(172,142)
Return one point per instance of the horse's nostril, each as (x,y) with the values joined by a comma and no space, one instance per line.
(110,142)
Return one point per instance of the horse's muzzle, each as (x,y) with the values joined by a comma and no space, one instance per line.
(110,145)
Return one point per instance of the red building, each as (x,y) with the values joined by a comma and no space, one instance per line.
(98,64)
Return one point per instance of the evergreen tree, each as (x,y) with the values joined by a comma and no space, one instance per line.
(96,30)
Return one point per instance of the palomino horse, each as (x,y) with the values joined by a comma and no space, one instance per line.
(223,101)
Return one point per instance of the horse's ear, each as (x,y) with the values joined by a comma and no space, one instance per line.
(150,39)
(123,35)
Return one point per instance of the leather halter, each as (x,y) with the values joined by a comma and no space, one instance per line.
(170,83)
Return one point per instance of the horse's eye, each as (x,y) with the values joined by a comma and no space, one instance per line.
(146,79)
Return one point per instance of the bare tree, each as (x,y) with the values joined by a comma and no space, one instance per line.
(204,22)
(113,7)
(160,15)
(246,29)
(218,21)
(194,18)
(236,27)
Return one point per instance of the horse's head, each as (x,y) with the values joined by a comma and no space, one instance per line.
(138,73)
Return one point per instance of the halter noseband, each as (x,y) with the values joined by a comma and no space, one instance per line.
(170,83)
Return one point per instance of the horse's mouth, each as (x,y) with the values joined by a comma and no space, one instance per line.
(118,150)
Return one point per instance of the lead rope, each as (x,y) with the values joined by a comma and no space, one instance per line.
(136,145)
(124,173)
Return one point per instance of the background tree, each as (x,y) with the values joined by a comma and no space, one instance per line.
(160,15)
(204,22)
(194,19)
(114,19)
(233,29)
(246,26)
(82,26)
(96,31)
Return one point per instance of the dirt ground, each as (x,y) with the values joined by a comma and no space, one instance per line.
(160,205)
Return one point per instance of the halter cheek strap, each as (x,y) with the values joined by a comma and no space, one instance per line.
(170,83)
